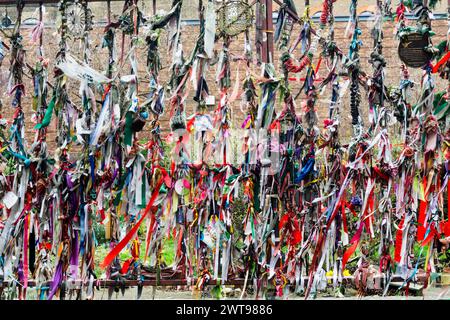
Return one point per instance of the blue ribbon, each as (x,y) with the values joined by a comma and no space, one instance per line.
(305,170)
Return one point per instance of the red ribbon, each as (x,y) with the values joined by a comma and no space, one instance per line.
(445,228)
(422,214)
(381,174)
(118,248)
(25,251)
(344,217)
(398,241)
(443,60)
(430,236)
(448,199)
(355,241)
(291,67)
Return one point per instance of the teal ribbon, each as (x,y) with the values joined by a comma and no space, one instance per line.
(48,115)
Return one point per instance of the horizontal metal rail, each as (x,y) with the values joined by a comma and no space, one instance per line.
(104,283)
(365,16)
(26,2)
(31,22)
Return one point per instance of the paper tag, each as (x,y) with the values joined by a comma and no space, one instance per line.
(10,199)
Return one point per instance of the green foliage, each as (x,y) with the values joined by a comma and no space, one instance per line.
(217,292)
(431,4)
(102,250)
(99,231)
(168,251)
(239,208)
(100,253)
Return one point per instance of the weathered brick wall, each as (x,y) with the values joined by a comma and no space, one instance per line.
(189,36)
(189,8)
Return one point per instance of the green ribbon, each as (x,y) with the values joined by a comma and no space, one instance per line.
(442,47)
(144,202)
(128,130)
(441,106)
(48,115)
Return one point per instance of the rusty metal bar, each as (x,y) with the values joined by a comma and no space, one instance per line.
(260,24)
(264,30)
(291,13)
(269,30)
(130,283)
(421,278)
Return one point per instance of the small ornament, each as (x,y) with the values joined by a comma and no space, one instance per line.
(6,21)
(79,19)
(234,17)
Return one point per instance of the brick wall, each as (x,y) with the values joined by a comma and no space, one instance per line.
(189,9)
(189,36)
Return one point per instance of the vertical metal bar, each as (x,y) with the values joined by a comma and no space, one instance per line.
(269,30)
(200,11)
(40,20)
(108,8)
(264,30)
(260,38)
(135,15)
